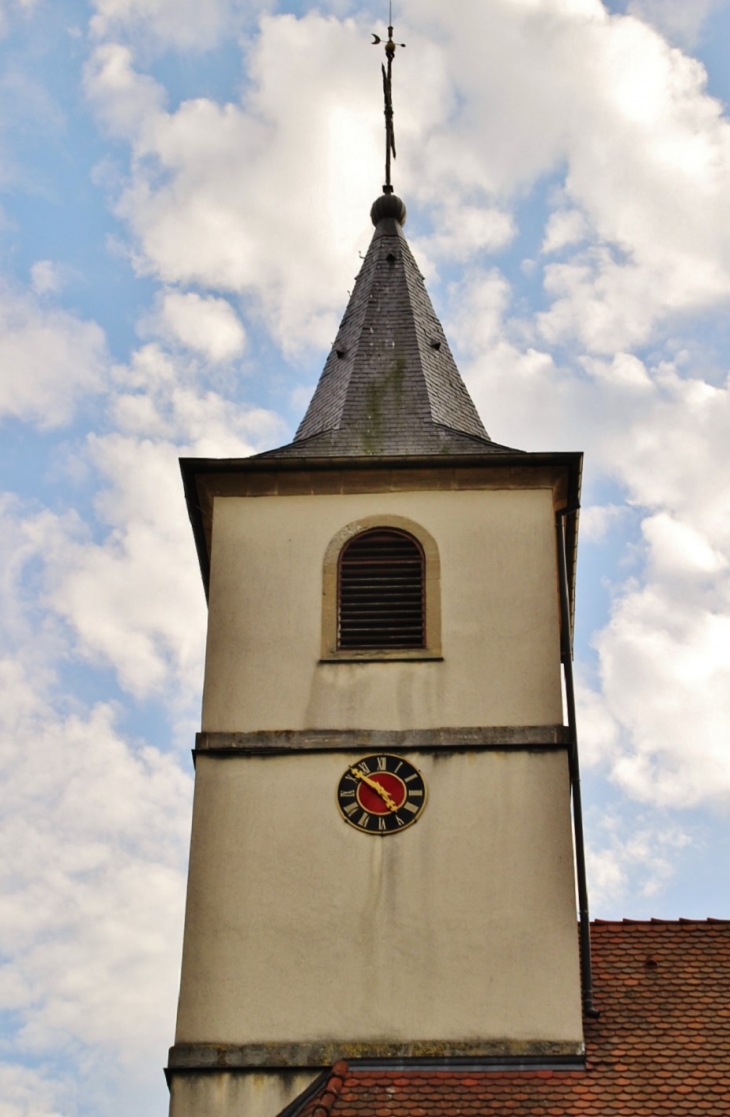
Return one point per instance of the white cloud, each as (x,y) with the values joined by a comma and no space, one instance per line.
(536,87)
(665,670)
(127,102)
(161,397)
(132,596)
(658,723)
(26,1092)
(463,231)
(679,19)
(95,830)
(512,93)
(624,372)
(481,300)
(598,520)
(678,550)
(94,887)
(181,24)
(564,227)
(93,839)
(49,359)
(664,657)
(134,600)
(642,863)
(598,729)
(46,277)
(207,325)
(9,7)
(269,199)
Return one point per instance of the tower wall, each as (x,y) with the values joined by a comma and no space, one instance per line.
(302,933)
(235,1093)
(306,939)
(499,616)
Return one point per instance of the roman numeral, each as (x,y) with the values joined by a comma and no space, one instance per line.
(363,820)
(399,765)
(412,807)
(414,793)
(382,764)
(413,777)
(400,821)
(347,795)
(381,824)
(351,808)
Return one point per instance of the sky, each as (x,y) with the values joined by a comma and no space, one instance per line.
(184,196)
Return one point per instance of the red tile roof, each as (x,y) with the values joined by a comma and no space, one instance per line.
(661,1046)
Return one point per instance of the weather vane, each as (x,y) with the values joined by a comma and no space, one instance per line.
(388,95)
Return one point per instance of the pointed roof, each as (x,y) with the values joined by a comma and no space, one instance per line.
(390,385)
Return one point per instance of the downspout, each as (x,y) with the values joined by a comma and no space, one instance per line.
(566,655)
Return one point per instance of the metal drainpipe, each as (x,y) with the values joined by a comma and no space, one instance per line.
(566,655)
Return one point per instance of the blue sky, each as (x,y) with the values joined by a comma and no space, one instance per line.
(185,190)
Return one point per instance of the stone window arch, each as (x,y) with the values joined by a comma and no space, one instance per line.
(381,592)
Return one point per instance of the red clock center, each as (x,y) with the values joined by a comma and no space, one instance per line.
(373,802)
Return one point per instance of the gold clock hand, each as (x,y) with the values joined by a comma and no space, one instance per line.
(384,795)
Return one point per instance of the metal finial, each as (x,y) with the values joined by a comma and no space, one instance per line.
(390,47)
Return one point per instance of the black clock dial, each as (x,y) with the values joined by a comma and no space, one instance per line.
(381,794)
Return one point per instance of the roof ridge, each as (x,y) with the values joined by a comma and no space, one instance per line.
(480,440)
(332,1090)
(449,409)
(681,920)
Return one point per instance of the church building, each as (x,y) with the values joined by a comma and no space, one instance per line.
(387,839)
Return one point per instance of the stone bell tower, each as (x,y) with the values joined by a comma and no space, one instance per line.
(381,862)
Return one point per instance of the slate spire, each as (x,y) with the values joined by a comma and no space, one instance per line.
(390,385)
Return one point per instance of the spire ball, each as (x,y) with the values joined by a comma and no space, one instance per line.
(388,205)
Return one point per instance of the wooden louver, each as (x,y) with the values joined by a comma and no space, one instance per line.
(381,591)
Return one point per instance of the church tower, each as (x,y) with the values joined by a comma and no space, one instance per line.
(381,864)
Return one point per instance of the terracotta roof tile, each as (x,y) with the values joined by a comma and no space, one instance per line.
(661,1047)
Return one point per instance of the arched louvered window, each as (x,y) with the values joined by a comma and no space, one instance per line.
(381,598)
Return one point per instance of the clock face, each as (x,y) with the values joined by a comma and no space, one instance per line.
(381,794)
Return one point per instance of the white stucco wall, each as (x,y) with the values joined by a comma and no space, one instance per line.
(227,1094)
(301,929)
(499,616)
